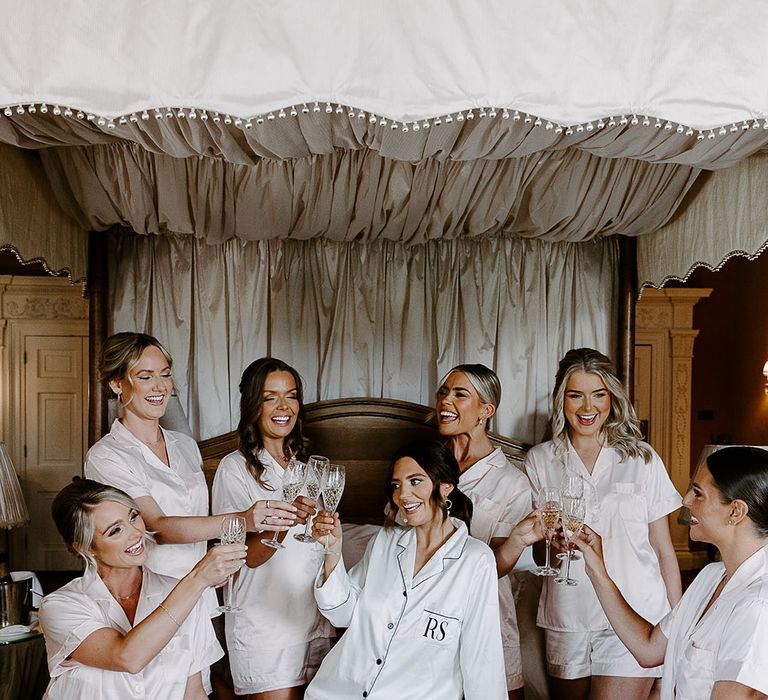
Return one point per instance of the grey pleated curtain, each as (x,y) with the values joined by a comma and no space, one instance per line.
(366,319)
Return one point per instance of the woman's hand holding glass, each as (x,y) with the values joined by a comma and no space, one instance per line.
(293,481)
(277,516)
(590,544)
(219,563)
(233,531)
(327,525)
(549,505)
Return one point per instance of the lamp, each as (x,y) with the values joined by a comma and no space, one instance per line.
(765,374)
(13,509)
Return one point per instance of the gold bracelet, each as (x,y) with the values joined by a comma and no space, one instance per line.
(168,612)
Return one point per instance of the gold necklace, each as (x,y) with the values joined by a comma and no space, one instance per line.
(154,443)
(130,595)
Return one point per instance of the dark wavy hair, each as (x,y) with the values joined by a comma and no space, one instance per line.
(251,399)
(741,473)
(441,467)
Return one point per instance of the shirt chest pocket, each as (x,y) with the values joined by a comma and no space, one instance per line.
(176,655)
(630,502)
(438,629)
(695,673)
(485,517)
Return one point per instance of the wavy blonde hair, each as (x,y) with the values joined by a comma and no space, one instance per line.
(622,428)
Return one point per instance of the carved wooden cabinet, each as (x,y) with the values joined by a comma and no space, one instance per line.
(664,338)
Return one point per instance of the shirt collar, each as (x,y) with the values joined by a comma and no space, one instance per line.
(496,459)
(751,568)
(125,436)
(451,550)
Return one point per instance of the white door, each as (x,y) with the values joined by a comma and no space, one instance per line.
(55,391)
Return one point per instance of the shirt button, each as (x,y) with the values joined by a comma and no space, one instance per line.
(378,661)
(405,593)
(390,626)
(365,694)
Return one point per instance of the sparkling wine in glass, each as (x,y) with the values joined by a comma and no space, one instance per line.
(572,488)
(549,504)
(315,466)
(293,481)
(232,532)
(332,486)
(573,521)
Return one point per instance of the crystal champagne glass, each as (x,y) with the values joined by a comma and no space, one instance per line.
(573,521)
(315,466)
(332,486)
(572,488)
(232,532)
(549,504)
(293,481)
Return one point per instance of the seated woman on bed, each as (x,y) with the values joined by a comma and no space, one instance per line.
(466,401)
(121,630)
(714,643)
(422,606)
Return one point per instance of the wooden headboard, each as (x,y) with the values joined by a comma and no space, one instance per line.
(362,434)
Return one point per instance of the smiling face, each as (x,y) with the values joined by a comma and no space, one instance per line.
(709,515)
(412,492)
(459,408)
(118,537)
(147,388)
(586,404)
(280,406)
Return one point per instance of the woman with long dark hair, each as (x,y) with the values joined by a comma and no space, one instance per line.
(596,440)
(714,643)
(422,606)
(278,639)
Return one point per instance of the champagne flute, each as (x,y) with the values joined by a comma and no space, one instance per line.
(573,521)
(332,485)
(572,487)
(293,480)
(549,504)
(232,532)
(315,466)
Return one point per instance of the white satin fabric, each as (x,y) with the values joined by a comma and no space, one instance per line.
(397,58)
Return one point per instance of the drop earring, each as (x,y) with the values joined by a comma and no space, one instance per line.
(448,505)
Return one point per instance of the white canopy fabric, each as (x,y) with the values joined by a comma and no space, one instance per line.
(700,63)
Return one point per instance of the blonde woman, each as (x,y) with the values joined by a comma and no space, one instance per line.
(629,496)
(121,630)
(467,399)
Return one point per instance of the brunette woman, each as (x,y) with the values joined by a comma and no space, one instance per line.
(714,643)
(277,640)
